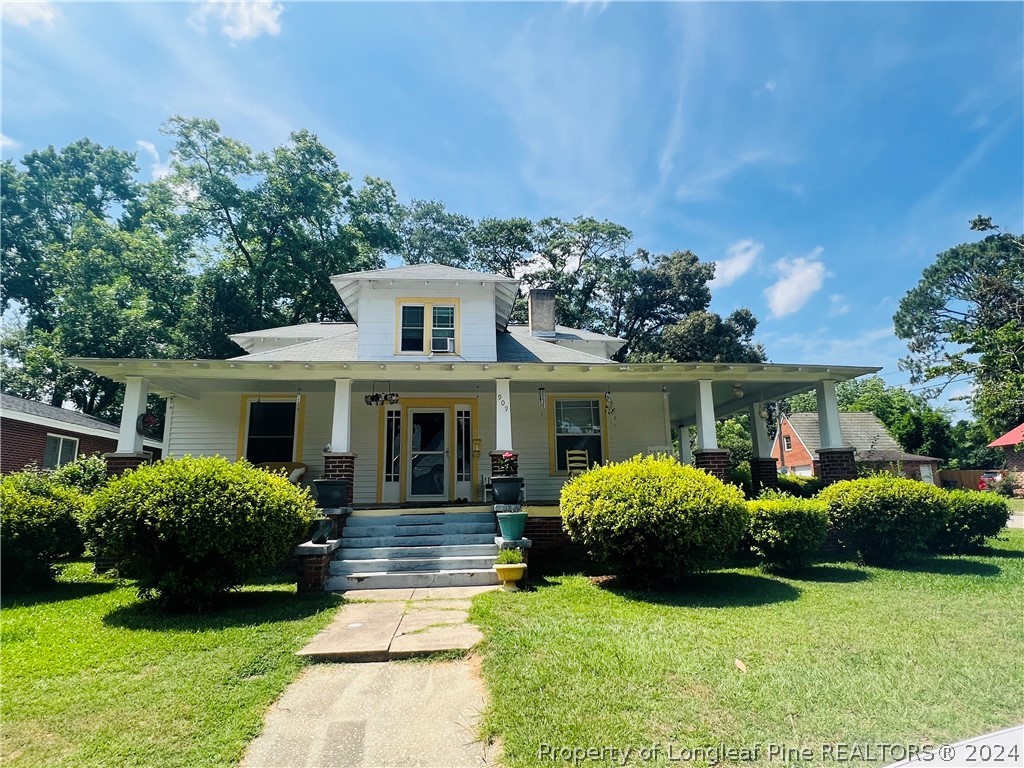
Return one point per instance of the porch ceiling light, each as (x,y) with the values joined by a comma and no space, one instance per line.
(737,391)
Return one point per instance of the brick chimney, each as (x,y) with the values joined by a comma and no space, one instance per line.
(542,312)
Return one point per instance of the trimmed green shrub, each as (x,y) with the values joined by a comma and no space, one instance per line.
(190,529)
(786,533)
(973,517)
(653,519)
(509,557)
(885,518)
(39,526)
(86,473)
(740,476)
(803,487)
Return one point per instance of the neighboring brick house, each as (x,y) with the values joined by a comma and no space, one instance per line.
(36,433)
(874,448)
(1012,444)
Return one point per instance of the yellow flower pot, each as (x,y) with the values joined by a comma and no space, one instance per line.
(510,573)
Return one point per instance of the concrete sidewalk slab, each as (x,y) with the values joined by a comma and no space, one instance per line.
(402,628)
(363,715)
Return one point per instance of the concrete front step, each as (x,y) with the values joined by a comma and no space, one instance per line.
(411,579)
(429,540)
(399,553)
(413,529)
(427,518)
(463,563)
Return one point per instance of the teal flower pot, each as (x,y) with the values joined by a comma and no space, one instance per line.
(512,525)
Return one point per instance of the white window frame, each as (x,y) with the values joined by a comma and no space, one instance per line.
(60,449)
(428,306)
(787,442)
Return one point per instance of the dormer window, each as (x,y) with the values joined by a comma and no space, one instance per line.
(428,326)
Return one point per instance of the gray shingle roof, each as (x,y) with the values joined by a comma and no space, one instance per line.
(300,331)
(864,432)
(516,346)
(564,332)
(9,405)
(427,272)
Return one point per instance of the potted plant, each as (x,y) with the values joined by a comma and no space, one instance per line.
(510,567)
(506,484)
(512,522)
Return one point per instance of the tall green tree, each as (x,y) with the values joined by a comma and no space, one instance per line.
(91,273)
(430,234)
(964,320)
(502,246)
(278,223)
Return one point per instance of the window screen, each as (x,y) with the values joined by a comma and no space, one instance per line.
(577,428)
(59,451)
(271,432)
(412,329)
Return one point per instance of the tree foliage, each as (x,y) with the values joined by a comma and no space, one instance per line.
(964,320)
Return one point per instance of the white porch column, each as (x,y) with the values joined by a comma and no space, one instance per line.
(503,414)
(706,437)
(685,449)
(128,439)
(759,433)
(341,423)
(828,415)
(668,417)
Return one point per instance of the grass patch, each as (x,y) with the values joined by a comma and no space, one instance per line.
(924,654)
(1016,505)
(91,677)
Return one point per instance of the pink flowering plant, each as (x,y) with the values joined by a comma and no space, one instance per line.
(508,464)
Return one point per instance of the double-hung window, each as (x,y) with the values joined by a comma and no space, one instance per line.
(577,427)
(427,327)
(59,451)
(271,433)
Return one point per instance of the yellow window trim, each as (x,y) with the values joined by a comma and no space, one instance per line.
(243,421)
(441,403)
(553,470)
(428,305)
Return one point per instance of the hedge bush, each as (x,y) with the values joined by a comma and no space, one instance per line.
(885,518)
(39,526)
(86,473)
(803,487)
(653,519)
(786,533)
(973,517)
(190,529)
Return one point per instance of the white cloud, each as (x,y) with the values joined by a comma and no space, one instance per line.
(7,144)
(26,12)
(740,257)
(800,278)
(839,305)
(157,169)
(240,19)
(770,85)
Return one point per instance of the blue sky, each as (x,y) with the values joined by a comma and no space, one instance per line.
(821,153)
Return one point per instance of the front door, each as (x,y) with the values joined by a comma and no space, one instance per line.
(428,454)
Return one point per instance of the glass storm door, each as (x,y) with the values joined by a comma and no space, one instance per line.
(428,454)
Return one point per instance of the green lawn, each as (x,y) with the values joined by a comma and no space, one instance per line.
(1017,505)
(91,678)
(844,655)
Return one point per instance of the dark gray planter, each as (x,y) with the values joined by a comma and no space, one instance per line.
(332,493)
(506,490)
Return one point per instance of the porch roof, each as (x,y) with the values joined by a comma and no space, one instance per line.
(735,385)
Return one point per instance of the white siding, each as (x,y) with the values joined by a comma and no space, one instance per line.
(475,319)
(210,426)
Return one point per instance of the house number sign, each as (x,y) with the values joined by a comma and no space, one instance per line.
(501,402)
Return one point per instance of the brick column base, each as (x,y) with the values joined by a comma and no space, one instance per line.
(314,565)
(339,466)
(551,546)
(119,463)
(836,464)
(764,473)
(714,461)
(496,459)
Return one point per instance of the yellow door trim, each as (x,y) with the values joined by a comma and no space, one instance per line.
(440,403)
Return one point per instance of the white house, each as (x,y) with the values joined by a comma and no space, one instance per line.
(465,386)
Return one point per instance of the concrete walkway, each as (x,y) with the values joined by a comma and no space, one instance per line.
(389,624)
(376,716)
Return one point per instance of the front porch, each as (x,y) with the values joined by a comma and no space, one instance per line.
(437,438)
